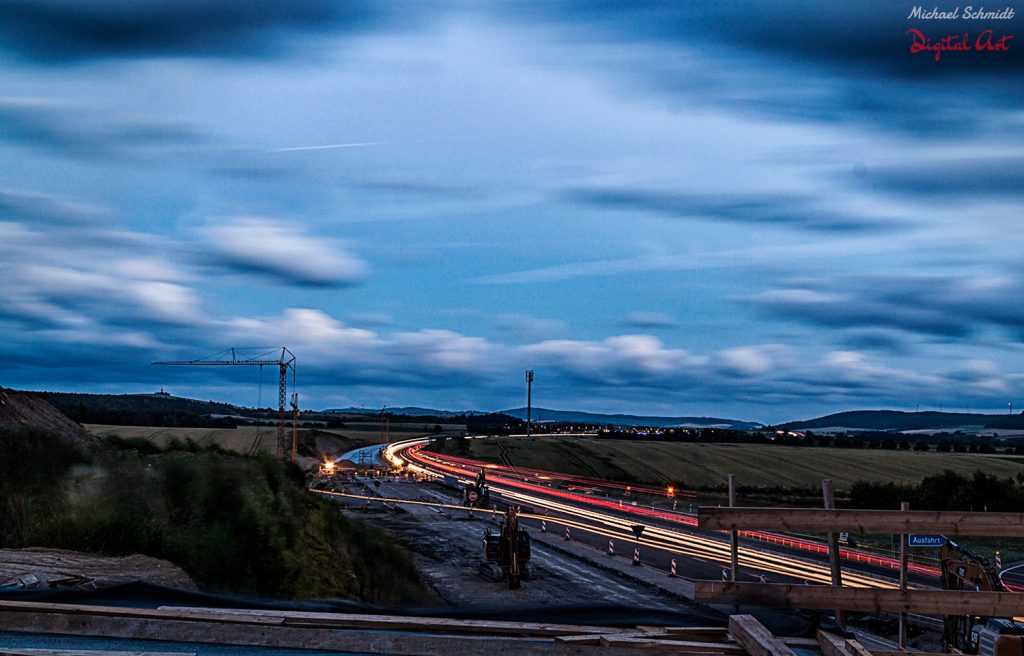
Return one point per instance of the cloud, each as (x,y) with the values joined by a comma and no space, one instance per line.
(281,250)
(615,361)
(328,350)
(965,178)
(649,320)
(803,61)
(66,31)
(760,209)
(67,128)
(751,361)
(930,305)
(30,207)
(843,311)
(526,328)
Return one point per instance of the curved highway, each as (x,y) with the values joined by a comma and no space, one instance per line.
(587,510)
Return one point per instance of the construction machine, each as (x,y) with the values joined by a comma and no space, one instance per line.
(970,634)
(476,494)
(507,554)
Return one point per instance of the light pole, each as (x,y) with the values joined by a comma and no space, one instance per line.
(529,403)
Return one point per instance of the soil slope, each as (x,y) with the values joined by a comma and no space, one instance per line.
(24,410)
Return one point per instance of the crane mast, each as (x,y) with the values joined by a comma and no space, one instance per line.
(285,362)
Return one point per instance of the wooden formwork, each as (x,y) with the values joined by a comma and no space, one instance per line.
(412,636)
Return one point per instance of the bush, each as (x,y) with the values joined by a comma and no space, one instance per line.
(244,525)
(945,491)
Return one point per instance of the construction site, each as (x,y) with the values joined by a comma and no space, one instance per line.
(515,574)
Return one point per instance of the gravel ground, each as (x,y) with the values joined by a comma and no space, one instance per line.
(57,568)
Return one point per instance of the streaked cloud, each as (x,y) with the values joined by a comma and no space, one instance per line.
(650,320)
(71,129)
(72,30)
(782,210)
(279,249)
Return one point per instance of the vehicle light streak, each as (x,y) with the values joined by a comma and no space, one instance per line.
(465,468)
(608,526)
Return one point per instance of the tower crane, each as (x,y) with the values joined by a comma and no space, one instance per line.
(285,362)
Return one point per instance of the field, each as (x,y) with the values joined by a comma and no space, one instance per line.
(241,439)
(708,465)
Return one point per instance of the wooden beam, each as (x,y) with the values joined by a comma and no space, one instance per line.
(819,520)
(21,651)
(96,621)
(734,536)
(674,646)
(833,548)
(301,619)
(755,638)
(864,600)
(831,644)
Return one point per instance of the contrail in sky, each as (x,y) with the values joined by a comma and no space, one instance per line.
(330,146)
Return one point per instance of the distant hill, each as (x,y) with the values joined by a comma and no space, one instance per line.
(139,403)
(897,421)
(570,416)
(160,409)
(22,410)
(405,411)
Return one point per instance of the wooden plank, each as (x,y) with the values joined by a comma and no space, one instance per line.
(831,644)
(901,632)
(864,600)
(734,536)
(820,520)
(198,614)
(23,651)
(856,649)
(300,619)
(592,640)
(755,638)
(833,547)
(803,643)
(399,643)
(699,633)
(597,639)
(673,646)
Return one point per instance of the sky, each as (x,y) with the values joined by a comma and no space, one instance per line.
(755,209)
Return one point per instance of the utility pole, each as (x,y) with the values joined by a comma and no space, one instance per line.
(529,403)
(295,425)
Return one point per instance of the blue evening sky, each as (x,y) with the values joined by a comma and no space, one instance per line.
(760,209)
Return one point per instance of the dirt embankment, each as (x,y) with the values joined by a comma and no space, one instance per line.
(24,410)
(56,568)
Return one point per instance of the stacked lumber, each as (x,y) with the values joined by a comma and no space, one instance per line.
(412,636)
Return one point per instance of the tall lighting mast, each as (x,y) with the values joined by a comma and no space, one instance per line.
(529,403)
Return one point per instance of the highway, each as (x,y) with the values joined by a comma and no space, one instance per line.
(597,512)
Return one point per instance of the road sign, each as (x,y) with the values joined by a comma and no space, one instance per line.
(926,540)
(473,496)
(637,530)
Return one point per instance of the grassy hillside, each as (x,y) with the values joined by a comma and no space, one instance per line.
(241,439)
(708,465)
(236,524)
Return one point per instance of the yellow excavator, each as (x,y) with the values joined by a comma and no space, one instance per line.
(968,634)
(507,555)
